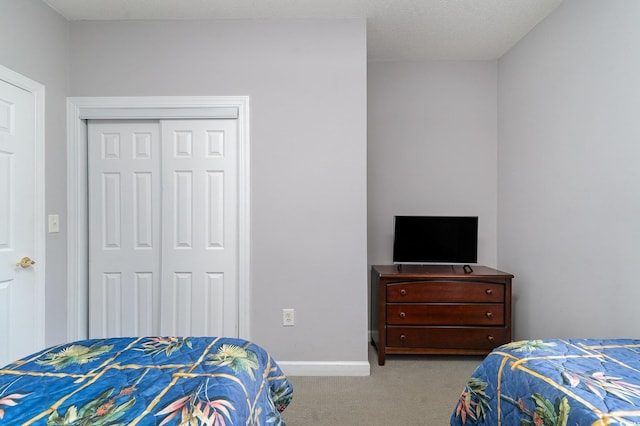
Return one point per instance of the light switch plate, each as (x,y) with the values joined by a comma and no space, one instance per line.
(54,223)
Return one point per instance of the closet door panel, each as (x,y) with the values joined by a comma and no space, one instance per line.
(163,227)
(199,227)
(124,228)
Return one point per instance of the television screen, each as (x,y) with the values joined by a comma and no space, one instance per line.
(435,239)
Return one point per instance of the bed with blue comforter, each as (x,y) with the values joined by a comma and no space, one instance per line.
(145,381)
(554,382)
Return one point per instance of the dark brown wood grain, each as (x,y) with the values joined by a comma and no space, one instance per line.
(439,309)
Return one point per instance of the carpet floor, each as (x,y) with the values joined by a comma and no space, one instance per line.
(406,391)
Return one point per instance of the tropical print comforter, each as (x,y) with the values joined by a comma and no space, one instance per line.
(554,382)
(145,381)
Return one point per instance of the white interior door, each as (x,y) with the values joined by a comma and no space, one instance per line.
(163,228)
(200,247)
(124,232)
(21,288)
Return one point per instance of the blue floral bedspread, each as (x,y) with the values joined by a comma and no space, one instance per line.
(145,381)
(554,382)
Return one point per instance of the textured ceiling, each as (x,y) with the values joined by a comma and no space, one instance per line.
(396,29)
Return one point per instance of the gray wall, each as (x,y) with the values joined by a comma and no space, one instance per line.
(307,83)
(568,172)
(34,41)
(432,148)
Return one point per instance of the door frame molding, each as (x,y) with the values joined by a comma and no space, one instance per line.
(149,107)
(39,195)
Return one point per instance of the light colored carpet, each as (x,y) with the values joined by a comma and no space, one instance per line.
(406,391)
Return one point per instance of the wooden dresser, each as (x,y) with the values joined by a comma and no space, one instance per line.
(439,309)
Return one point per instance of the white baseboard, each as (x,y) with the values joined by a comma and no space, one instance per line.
(319,368)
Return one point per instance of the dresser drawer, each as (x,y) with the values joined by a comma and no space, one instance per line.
(478,338)
(445,314)
(445,291)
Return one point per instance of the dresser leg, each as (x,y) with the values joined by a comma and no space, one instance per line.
(379,351)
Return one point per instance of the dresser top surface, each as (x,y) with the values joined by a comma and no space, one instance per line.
(407,271)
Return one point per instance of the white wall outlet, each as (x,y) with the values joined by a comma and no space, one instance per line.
(288,317)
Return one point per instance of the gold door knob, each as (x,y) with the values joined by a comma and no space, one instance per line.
(25,262)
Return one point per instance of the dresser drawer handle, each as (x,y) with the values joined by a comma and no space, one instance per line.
(489,315)
(403,315)
(490,338)
(403,292)
(403,338)
(489,291)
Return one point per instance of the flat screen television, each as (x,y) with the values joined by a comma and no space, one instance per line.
(435,239)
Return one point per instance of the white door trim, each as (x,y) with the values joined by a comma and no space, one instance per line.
(77,204)
(40,248)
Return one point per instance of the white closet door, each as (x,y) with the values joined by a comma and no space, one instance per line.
(163,228)
(200,229)
(124,228)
